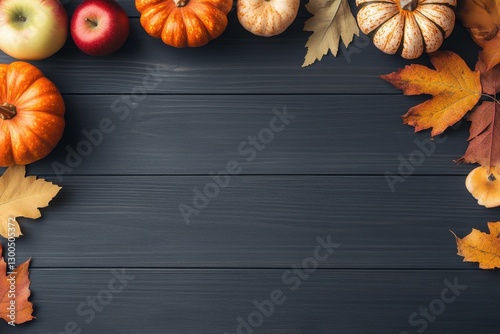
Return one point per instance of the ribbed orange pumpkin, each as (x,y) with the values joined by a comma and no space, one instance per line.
(407,27)
(31,114)
(184,23)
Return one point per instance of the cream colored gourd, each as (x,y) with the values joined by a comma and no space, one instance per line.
(407,27)
(267,17)
(484,184)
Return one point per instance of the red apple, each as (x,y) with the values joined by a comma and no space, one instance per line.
(99,27)
(32,29)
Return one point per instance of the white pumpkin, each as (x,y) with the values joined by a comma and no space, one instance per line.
(267,17)
(407,27)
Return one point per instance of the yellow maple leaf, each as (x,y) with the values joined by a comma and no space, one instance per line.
(332,21)
(454,87)
(481,247)
(21,196)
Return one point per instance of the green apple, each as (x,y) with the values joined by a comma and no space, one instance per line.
(32,29)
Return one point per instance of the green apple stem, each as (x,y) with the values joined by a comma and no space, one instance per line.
(22,18)
(180,3)
(7,111)
(92,22)
(408,4)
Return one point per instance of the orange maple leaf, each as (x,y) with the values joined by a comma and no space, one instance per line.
(481,247)
(454,87)
(14,290)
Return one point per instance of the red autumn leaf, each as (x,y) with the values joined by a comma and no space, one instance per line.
(14,290)
(490,79)
(484,138)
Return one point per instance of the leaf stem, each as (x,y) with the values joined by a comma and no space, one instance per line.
(491,97)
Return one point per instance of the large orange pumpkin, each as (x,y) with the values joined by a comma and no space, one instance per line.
(31,114)
(184,23)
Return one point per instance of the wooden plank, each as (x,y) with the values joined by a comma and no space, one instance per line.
(199,134)
(236,63)
(211,301)
(255,221)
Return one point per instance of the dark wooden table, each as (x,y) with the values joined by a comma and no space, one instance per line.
(174,118)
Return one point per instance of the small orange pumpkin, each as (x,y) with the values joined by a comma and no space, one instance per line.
(407,27)
(31,114)
(184,23)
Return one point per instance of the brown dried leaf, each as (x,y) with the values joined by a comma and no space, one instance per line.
(484,138)
(490,79)
(332,21)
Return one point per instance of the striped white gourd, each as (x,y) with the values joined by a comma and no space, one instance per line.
(407,27)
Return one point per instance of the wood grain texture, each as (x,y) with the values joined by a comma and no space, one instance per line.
(256,221)
(210,301)
(159,134)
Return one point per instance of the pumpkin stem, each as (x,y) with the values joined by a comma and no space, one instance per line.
(409,5)
(7,111)
(180,3)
